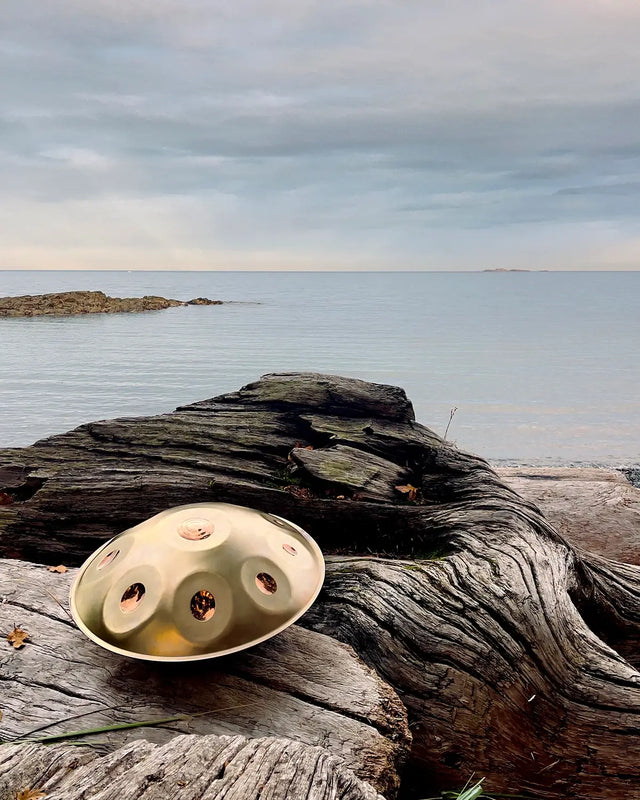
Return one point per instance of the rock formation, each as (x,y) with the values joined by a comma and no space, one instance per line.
(67,303)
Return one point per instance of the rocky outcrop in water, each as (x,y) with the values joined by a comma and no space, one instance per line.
(68,303)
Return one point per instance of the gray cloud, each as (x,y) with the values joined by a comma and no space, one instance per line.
(353,133)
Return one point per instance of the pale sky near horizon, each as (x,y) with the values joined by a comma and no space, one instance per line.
(299,134)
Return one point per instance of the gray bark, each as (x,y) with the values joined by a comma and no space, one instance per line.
(300,685)
(185,768)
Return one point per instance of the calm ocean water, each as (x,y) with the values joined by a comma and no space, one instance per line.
(542,367)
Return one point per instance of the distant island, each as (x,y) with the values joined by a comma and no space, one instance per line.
(68,303)
(504,269)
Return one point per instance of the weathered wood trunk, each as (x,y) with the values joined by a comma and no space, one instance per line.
(185,768)
(514,652)
(300,685)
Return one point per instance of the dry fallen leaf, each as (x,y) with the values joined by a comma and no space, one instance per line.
(17,638)
(30,794)
(299,491)
(409,490)
(5,499)
(61,569)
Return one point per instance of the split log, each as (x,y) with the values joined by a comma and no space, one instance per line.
(186,768)
(515,652)
(300,685)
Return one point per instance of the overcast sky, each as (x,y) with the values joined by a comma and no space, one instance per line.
(290,134)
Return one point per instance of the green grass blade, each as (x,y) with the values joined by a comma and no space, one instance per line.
(29,734)
(117,727)
(472,793)
(106,728)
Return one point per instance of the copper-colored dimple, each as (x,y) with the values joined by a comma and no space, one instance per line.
(108,559)
(132,597)
(266,583)
(203,605)
(196,529)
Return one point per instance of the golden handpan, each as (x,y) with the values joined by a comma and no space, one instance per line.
(196,582)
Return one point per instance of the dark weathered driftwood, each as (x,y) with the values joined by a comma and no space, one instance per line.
(301,685)
(498,669)
(514,652)
(73,491)
(185,768)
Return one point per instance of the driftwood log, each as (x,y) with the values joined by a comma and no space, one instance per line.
(301,685)
(515,653)
(185,768)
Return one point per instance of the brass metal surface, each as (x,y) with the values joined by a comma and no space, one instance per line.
(196,582)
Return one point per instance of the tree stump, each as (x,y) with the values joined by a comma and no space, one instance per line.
(515,652)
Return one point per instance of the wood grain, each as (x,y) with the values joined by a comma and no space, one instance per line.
(185,768)
(300,685)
